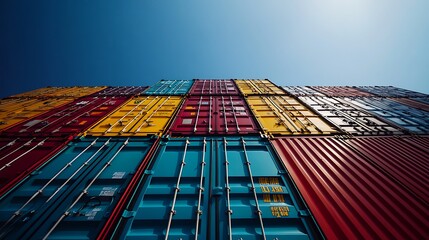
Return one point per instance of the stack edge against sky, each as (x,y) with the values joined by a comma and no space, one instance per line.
(215,159)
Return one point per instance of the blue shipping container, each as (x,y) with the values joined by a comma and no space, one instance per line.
(390,91)
(70,197)
(170,87)
(216,188)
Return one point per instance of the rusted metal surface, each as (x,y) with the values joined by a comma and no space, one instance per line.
(341,91)
(350,195)
(214,87)
(214,115)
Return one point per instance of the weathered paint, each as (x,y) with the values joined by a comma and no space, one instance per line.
(349,196)
(20,156)
(341,91)
(122,91)
(389,91)
(170,87)
(140,116)
(215,188)
(302,91)
(284,115)
(214,87)
(258,87)
(349,118)
(70,119)
(214,115)
(56,92)
(13,111)
(70,197)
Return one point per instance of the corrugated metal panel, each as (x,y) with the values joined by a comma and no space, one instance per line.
(140,116)
(214,87)
(70,119)
(258,87)
(284,115)
(424,100)
(349,196)
(214,115)
(214,188)
(349,118)
(341,91)
(122,91)
(71,196)
(170,87)
(13,111)
(412,103)
(411,119)
(20,156)
(389,91)
(50,92)
(302,91)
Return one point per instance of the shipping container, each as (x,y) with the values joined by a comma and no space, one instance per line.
(122,91)
(424,100)
(258,87)
(20,156)
(302,91)
(341,91)
(215,188)
(349,118)
(214,87)
(170,87)
(284,115)
(412,103)
(13,111)
(72,195)
(208,115)
(70,119)
(349,197)
(57,92)
(389,91)
(140,116)
(410,119)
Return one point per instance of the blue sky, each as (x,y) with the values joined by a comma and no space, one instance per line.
(331,42)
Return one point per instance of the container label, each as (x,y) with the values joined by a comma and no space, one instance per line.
(108,191)
(118,175)
(82,103)
(280,211)
(187,121)
(32,123)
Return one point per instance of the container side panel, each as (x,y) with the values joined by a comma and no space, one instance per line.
(349,118)
(70,119)
(349,196)
(85,181)
(258,87)
(389,91)
(170,87)
(214,87)
(140,116)
(413,103)
(341,91)
(302,91)
(122,91)
(284,115)
(424,100)
(67,92)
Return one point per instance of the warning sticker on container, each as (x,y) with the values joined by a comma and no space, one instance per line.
(118,175)
(204,103)
(32,123)
(108,191)
(187,121)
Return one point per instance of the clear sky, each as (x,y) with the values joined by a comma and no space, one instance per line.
(291,42)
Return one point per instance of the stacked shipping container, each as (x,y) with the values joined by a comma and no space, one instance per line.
(214,159)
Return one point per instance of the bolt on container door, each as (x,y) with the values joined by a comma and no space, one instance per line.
(284,115)
(389,91)
(341,91)
(20,156)
(13,111)
(408,118)
(214,115)
(70,119)
(214,87)
(69,92)
(70,196)
(349,118)
(215,188)
(258,87)
(140,116)
(302,91)
(349,197)
(412,103)
(170,87)
(121,91)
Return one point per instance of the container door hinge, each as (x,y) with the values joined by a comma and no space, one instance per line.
(128,214)
(304,213)
(217,191)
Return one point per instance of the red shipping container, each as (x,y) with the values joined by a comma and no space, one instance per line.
(350,196)
(341,91)
(21,156)
(122,91)
(207,115)
(214,87)
(70,119)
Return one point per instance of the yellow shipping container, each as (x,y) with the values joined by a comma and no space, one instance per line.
(15,110)
(140,116)
(258,87)
(284,115)
(48,92)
